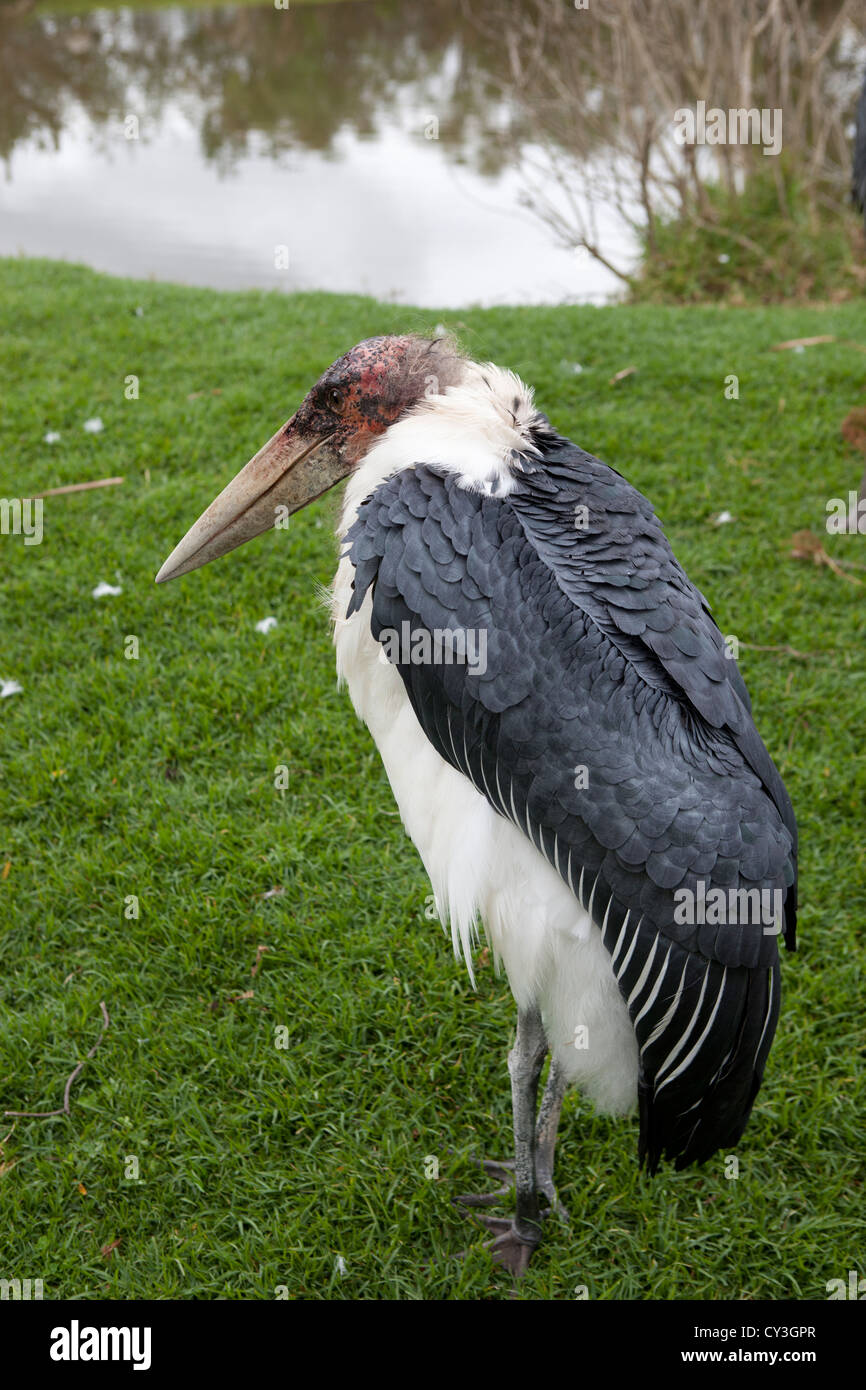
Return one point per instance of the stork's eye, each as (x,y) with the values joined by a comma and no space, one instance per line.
(335,400)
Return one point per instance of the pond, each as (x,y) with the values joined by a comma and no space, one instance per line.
(355,147)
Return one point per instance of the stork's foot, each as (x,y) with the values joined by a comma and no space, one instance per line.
(503,1169)
(508,1248)
(511,1248)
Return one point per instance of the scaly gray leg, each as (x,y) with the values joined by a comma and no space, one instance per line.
(545,1144)
(531,1169)
(545,1136)
(525,1061)
(515,1240)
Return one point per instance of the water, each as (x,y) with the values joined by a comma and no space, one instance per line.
(354,147)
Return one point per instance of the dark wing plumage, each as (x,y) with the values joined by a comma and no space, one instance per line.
(610,727)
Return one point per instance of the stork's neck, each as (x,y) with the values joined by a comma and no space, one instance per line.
(475,430)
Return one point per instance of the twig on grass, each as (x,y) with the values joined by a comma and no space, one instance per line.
(79,487)
(621,376)
(260,951)
(784,650)
(64,1109)
(4,1166)
(803,342)
(806,545)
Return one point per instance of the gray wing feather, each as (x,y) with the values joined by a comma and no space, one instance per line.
(601,655)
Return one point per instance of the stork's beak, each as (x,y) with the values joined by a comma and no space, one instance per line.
(292,469)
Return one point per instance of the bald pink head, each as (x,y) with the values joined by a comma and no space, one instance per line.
(371,386)
(351,404)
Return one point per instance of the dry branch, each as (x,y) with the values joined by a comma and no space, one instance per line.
(79,487)
(64,1109)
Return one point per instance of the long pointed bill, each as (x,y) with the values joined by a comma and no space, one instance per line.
(291,470)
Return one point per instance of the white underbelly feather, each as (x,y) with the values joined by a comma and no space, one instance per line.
(481,867)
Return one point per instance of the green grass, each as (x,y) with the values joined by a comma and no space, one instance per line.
(259,1166)
(750,253)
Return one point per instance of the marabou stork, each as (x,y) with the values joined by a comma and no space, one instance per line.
(599,768)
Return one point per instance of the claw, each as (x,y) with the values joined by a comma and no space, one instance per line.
(503,1170)
(509,1249)
(498,1225)
(480,1199)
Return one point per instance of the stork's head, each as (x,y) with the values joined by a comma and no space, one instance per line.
(355,401)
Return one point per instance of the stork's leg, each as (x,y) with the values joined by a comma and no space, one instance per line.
(516,1239)
(525,1061)
(545,1144)
(531,1169)
(545,1136)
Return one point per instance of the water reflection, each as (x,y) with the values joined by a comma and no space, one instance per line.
(370,139)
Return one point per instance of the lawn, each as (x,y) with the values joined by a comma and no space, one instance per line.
(284,1071)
